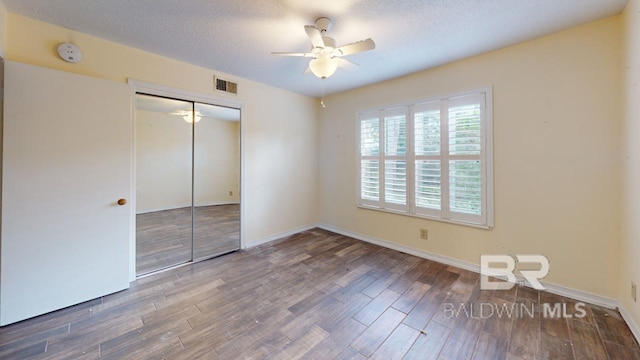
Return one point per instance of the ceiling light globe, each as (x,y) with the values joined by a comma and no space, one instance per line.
(323,66)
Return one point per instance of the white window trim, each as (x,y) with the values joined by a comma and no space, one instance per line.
(487,212)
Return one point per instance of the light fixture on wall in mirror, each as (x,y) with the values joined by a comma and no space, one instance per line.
(187,115)
(189,118)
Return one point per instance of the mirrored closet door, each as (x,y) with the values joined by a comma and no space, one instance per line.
(216,182)
(187,182)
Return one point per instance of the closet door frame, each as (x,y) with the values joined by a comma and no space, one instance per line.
(142,87)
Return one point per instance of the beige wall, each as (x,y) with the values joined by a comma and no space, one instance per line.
(556,125)
(3,43)
(630,244)
(3,30)
(216,162)
(163,162)
(279,130)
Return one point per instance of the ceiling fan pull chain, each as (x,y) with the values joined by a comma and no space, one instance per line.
(322,94)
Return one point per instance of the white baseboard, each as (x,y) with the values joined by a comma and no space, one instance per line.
(173,207)
(580,295)
(146,211)
(550,287)
(633,326)
(270,238)
(218,203)
(405,249)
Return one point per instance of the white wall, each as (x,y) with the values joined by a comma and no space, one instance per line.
(630,134)
(556,104)
(279,127)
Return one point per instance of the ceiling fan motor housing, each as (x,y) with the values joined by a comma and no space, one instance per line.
(323,24)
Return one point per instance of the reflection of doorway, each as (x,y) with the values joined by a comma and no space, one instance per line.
(187,182)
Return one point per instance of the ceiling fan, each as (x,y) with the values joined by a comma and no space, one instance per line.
(324,52)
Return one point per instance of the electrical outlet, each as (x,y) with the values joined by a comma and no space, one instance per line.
(424,234)
(633,291)
(230,193)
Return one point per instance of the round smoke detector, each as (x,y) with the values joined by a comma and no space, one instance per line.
(69,52)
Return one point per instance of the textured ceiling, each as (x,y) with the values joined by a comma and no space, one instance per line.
(237,36)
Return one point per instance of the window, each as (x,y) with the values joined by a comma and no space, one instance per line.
(431,158)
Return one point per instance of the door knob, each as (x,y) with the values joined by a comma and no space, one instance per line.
(122,202)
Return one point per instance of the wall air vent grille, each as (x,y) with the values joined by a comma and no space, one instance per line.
(226,86)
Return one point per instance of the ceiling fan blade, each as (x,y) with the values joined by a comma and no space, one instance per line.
(315,36)
(353,48)
(346,64)
(293,54)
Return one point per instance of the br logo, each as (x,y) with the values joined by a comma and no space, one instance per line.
(505,272)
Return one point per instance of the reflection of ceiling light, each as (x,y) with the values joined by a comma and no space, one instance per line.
(188,118)
(323,66)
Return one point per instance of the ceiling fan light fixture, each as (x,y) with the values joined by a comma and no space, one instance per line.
(326,56)
(323,66)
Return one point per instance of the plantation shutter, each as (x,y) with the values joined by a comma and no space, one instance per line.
(369,159)
(395,158)
(431,159)
(427,150)
(465,153)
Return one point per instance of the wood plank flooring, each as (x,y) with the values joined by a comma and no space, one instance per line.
(163,238)
(317,295)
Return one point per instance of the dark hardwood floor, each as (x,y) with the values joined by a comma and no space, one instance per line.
(163,238)
(318,295)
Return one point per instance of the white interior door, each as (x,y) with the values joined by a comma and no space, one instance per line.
(66,162)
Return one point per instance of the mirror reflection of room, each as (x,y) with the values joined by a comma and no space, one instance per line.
(187,182)
(216,182)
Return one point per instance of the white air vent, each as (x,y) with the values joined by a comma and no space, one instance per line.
(226,86)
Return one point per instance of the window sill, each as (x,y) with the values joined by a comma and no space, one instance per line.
(454,222)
